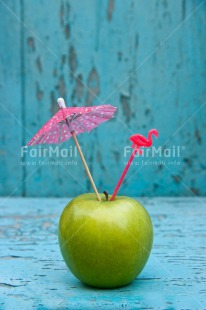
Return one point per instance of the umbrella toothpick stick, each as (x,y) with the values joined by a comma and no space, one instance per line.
(62,105)
(85,165)
(71,121)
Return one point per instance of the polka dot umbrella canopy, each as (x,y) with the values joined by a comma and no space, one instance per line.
(71,121)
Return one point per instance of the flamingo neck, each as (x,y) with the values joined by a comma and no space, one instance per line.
(150,136)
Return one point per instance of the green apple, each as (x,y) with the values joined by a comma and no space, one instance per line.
(105,244)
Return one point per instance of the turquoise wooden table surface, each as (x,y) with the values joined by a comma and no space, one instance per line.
(33,274)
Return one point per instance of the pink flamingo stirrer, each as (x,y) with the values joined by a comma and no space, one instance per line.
(138,141)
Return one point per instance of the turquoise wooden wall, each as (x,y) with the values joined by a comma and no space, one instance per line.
(146,57)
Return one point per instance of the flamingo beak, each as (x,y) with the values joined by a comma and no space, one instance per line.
(155,133)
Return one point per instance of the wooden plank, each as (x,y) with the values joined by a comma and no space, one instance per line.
(53,67)
(12,131)
(34,274)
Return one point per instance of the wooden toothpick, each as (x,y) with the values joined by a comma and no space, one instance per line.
(85,165)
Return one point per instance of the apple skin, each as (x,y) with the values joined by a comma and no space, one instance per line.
(105,244)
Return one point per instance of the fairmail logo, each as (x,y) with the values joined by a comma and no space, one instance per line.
(161,152)
(49,151)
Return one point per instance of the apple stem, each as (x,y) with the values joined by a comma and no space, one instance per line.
(106,195)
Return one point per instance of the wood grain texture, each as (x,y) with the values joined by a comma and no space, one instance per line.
(148,58)
(11,117)
(34,275)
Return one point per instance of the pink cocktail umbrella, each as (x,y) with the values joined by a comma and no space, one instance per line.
(71,121)
(138,141)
